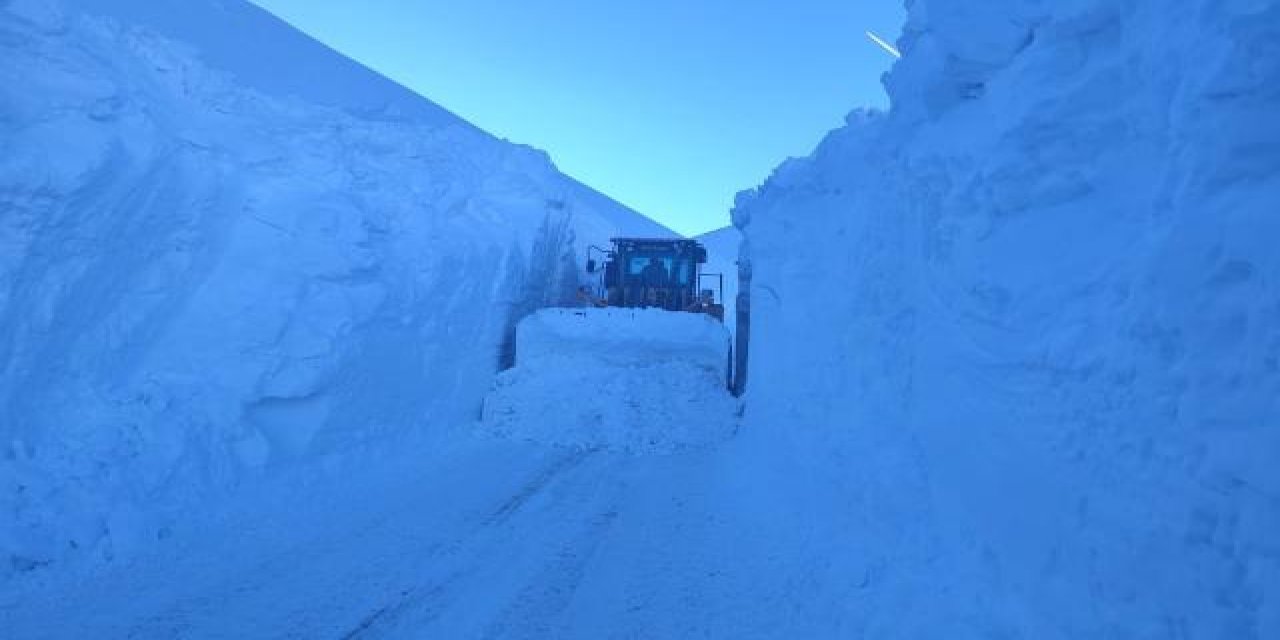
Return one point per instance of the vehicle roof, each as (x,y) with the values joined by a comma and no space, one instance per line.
(668,241)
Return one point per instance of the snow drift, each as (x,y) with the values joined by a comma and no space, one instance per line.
(225,249)
(636,380)
(1030,355)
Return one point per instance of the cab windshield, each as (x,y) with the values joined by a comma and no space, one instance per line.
(678,270)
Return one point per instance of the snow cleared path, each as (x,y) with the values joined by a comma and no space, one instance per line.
(482,539)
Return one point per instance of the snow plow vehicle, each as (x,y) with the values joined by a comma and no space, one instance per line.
(661,273)
(643,364)
(667,274)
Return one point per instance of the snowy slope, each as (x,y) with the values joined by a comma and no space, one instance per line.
(270,57)
(265,54)
(226,250)
(1030,355)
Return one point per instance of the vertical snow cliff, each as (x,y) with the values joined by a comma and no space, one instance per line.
(224,255)
(1023,330)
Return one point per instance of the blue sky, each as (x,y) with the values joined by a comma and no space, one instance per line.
(670,107)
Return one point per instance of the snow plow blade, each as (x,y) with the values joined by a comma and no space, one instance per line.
(631,379)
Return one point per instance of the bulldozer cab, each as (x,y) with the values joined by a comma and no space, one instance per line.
(657,273)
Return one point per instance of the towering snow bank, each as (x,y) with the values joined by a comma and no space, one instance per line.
(207,272)
(638,380)
(1030,352)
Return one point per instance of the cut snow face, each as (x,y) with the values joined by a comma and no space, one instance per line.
(1027,323)
(214,266)
(637,380)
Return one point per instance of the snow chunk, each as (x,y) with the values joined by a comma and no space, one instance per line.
(644,381)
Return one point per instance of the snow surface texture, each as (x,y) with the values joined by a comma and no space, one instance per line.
(205,276)
(633,380)
(1022,332)
(483,538)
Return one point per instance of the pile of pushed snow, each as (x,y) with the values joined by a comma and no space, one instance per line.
(623,337)
(626,379)
(1031,346)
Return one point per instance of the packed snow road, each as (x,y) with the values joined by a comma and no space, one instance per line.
(482,539)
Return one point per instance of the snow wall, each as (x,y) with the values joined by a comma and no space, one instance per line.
(1030,351)
(210,271)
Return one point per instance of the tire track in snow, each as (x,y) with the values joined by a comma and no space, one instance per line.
(397,542)
(429,598)
(551,590)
